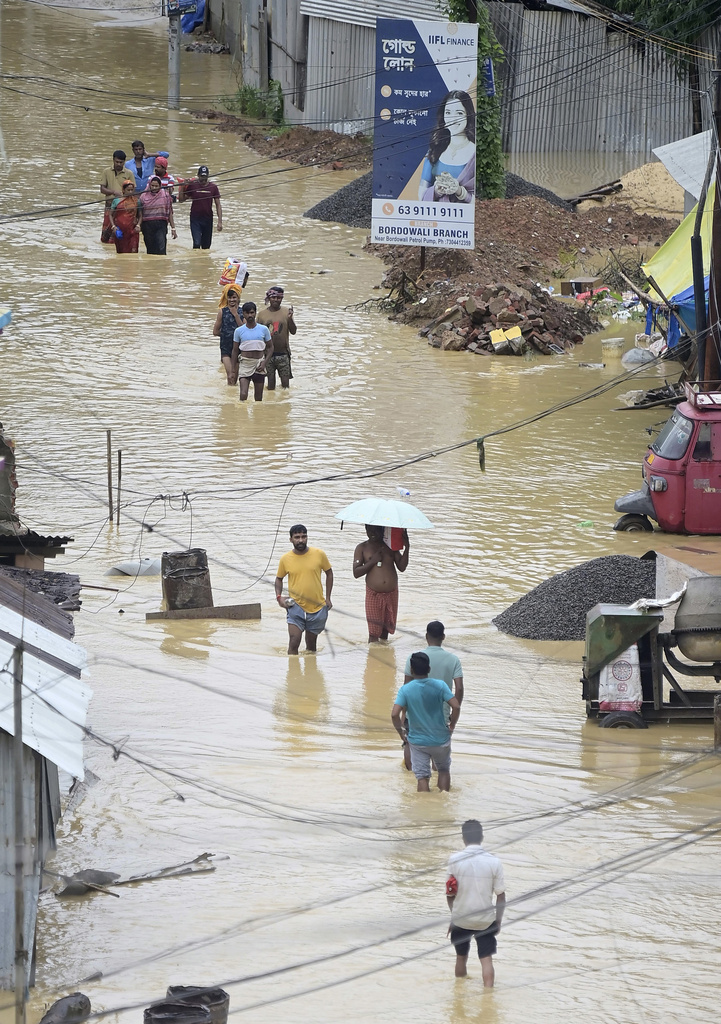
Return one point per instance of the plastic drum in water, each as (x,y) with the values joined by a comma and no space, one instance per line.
(216,999)
(612,346)
(177,1013)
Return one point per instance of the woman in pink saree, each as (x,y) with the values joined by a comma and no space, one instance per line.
(449,170)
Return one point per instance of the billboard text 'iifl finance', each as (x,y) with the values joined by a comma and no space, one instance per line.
(424,165)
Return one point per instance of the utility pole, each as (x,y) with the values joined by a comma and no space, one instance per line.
(712,354)
(18,764)
(174,60)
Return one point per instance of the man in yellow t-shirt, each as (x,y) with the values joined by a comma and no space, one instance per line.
(306,608)
(111,185)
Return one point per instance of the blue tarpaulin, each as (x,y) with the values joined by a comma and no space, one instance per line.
(687,308)
(190,21)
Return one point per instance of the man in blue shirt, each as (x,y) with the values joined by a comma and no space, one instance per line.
(142,165)
(422,702)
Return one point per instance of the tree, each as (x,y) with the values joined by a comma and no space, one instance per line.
(490,166)
(681,22)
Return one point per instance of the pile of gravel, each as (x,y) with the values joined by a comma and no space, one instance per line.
(351,204)
(556,609)
(517,187)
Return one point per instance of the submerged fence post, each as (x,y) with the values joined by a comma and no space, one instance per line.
(120,477)
(110,477)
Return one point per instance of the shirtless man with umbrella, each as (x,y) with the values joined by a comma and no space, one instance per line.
(378,563)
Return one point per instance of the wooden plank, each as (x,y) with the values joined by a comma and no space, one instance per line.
(229,611)
(35,607)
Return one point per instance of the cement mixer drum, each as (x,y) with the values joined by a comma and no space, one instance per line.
(698,620)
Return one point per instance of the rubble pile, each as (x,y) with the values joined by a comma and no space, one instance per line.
(521,319)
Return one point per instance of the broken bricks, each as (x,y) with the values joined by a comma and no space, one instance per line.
(507,320)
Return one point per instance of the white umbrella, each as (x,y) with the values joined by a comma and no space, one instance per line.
(385,512)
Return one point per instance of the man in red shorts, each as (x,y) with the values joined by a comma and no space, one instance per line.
(375,560)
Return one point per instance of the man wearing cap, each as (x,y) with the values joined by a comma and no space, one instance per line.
(111,186)
(280,323)
(203,194)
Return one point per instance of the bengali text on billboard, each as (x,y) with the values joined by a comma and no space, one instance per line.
(424,161)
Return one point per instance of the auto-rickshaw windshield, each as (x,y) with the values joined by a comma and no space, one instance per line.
(673,440)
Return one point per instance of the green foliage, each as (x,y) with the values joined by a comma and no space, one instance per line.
(490,168)
(680,21)
(265,106)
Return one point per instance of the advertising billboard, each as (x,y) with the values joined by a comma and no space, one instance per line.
(424,160)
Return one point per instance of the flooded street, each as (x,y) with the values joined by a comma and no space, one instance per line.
(328,903)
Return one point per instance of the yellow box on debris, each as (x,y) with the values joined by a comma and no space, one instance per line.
(500,335)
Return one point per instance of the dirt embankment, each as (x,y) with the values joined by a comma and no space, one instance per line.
(298,144)
(524,240)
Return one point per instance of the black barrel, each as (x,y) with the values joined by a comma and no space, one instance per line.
(186,579)
(216,999)
(177,1013)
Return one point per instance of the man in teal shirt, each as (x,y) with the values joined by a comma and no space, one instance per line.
(422,702)
(444,665)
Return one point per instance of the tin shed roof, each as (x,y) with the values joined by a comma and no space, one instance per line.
(55,698)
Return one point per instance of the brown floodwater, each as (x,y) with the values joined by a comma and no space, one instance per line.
(327,903)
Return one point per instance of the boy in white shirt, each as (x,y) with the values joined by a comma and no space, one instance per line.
(474,875)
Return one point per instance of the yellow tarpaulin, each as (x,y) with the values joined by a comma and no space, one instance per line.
(671,266)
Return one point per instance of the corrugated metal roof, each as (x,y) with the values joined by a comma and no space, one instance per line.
(686,161)
(55,704)
(365,12)
(31,539)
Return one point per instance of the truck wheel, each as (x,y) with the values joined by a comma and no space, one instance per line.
(623,720)
(634,523)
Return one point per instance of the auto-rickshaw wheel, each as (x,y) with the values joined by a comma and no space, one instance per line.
(623,720)
(634,523)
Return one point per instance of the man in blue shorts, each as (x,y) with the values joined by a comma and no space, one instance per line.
(474,876)
(306,609)
(422,702)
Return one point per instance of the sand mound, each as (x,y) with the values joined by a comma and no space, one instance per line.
(648,189)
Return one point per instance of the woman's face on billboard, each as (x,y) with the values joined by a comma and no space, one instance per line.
(454,117)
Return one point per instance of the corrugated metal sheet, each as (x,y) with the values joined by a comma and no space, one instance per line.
(31,818)
(55,704)
(341,71)
(365,12)
(570,83)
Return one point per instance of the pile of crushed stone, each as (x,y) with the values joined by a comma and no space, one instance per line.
(351,204)
(556,609)
(517,187)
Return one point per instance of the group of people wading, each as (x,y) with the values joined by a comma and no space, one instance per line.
(140,193)
(254,345)
(424,714)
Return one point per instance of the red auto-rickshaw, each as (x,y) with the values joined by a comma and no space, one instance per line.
(681,471)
